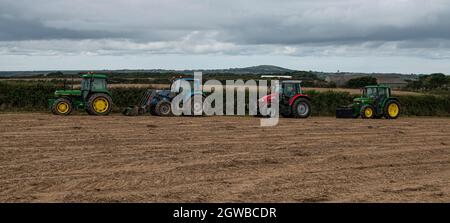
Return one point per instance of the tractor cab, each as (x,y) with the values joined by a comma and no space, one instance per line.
(376,91)
(289,89)
(93,83)
(374,94)
(176,87)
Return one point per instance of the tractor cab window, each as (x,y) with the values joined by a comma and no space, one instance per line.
(289,89)
(383,92)
(370,92)
(85,84)
(179,85)
(99,84)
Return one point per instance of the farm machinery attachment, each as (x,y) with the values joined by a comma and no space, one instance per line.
(143,106)
(376,102)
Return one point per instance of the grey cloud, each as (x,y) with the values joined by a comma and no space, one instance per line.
(13,30)
(243,22)
(320,27)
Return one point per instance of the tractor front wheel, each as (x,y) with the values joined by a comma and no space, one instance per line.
(301,108)
(367,112)
(392,109)
(163,108)
(99,104)
(62,106)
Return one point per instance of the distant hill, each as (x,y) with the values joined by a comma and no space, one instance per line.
(261,69)
(311,77)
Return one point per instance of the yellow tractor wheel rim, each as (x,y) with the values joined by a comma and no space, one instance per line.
(393,110)
(62,107)
(368,112)
(100,105)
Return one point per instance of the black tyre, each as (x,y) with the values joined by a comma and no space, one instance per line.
(392,109)
(99,104)
(301,108)
(367,112)
(89,112)
(62,106)
(163,108)
(152,110)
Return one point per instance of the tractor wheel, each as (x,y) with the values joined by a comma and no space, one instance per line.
(301,108)
(99,104)
(367,112)
(163,108)
(89,112)
(62,106)
(197,106)
(392,109)
(152,110)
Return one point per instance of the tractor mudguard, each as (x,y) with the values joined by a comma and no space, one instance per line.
(292,100)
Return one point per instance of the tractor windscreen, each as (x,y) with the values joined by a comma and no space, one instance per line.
(84,84)
(99,85)
(274,89)
(369,92)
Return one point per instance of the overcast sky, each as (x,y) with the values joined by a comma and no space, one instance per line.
(409,36)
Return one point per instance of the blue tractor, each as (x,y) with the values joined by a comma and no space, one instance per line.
(158,102)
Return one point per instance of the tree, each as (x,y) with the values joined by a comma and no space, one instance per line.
(360,82)
(435,81)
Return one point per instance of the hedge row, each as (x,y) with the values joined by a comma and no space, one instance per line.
(33,97)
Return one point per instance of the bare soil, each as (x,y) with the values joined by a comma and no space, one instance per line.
(81,158)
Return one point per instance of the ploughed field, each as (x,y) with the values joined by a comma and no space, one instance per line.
(81,158)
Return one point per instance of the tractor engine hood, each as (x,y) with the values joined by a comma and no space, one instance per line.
(268,98)
(59,93)
(360,100)
(163,93)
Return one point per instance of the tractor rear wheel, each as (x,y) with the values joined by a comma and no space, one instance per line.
(99,104)
(301,108)
(392,109)
(62,106)
(163,108)
(367,112)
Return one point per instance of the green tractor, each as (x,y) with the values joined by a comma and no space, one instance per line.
(93,97)
(376,102)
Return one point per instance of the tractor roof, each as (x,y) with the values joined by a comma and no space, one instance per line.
(292,81)
(100,76)
(186,78)
(377,86)
(277,76)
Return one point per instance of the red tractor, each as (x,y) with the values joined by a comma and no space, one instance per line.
(293,103)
